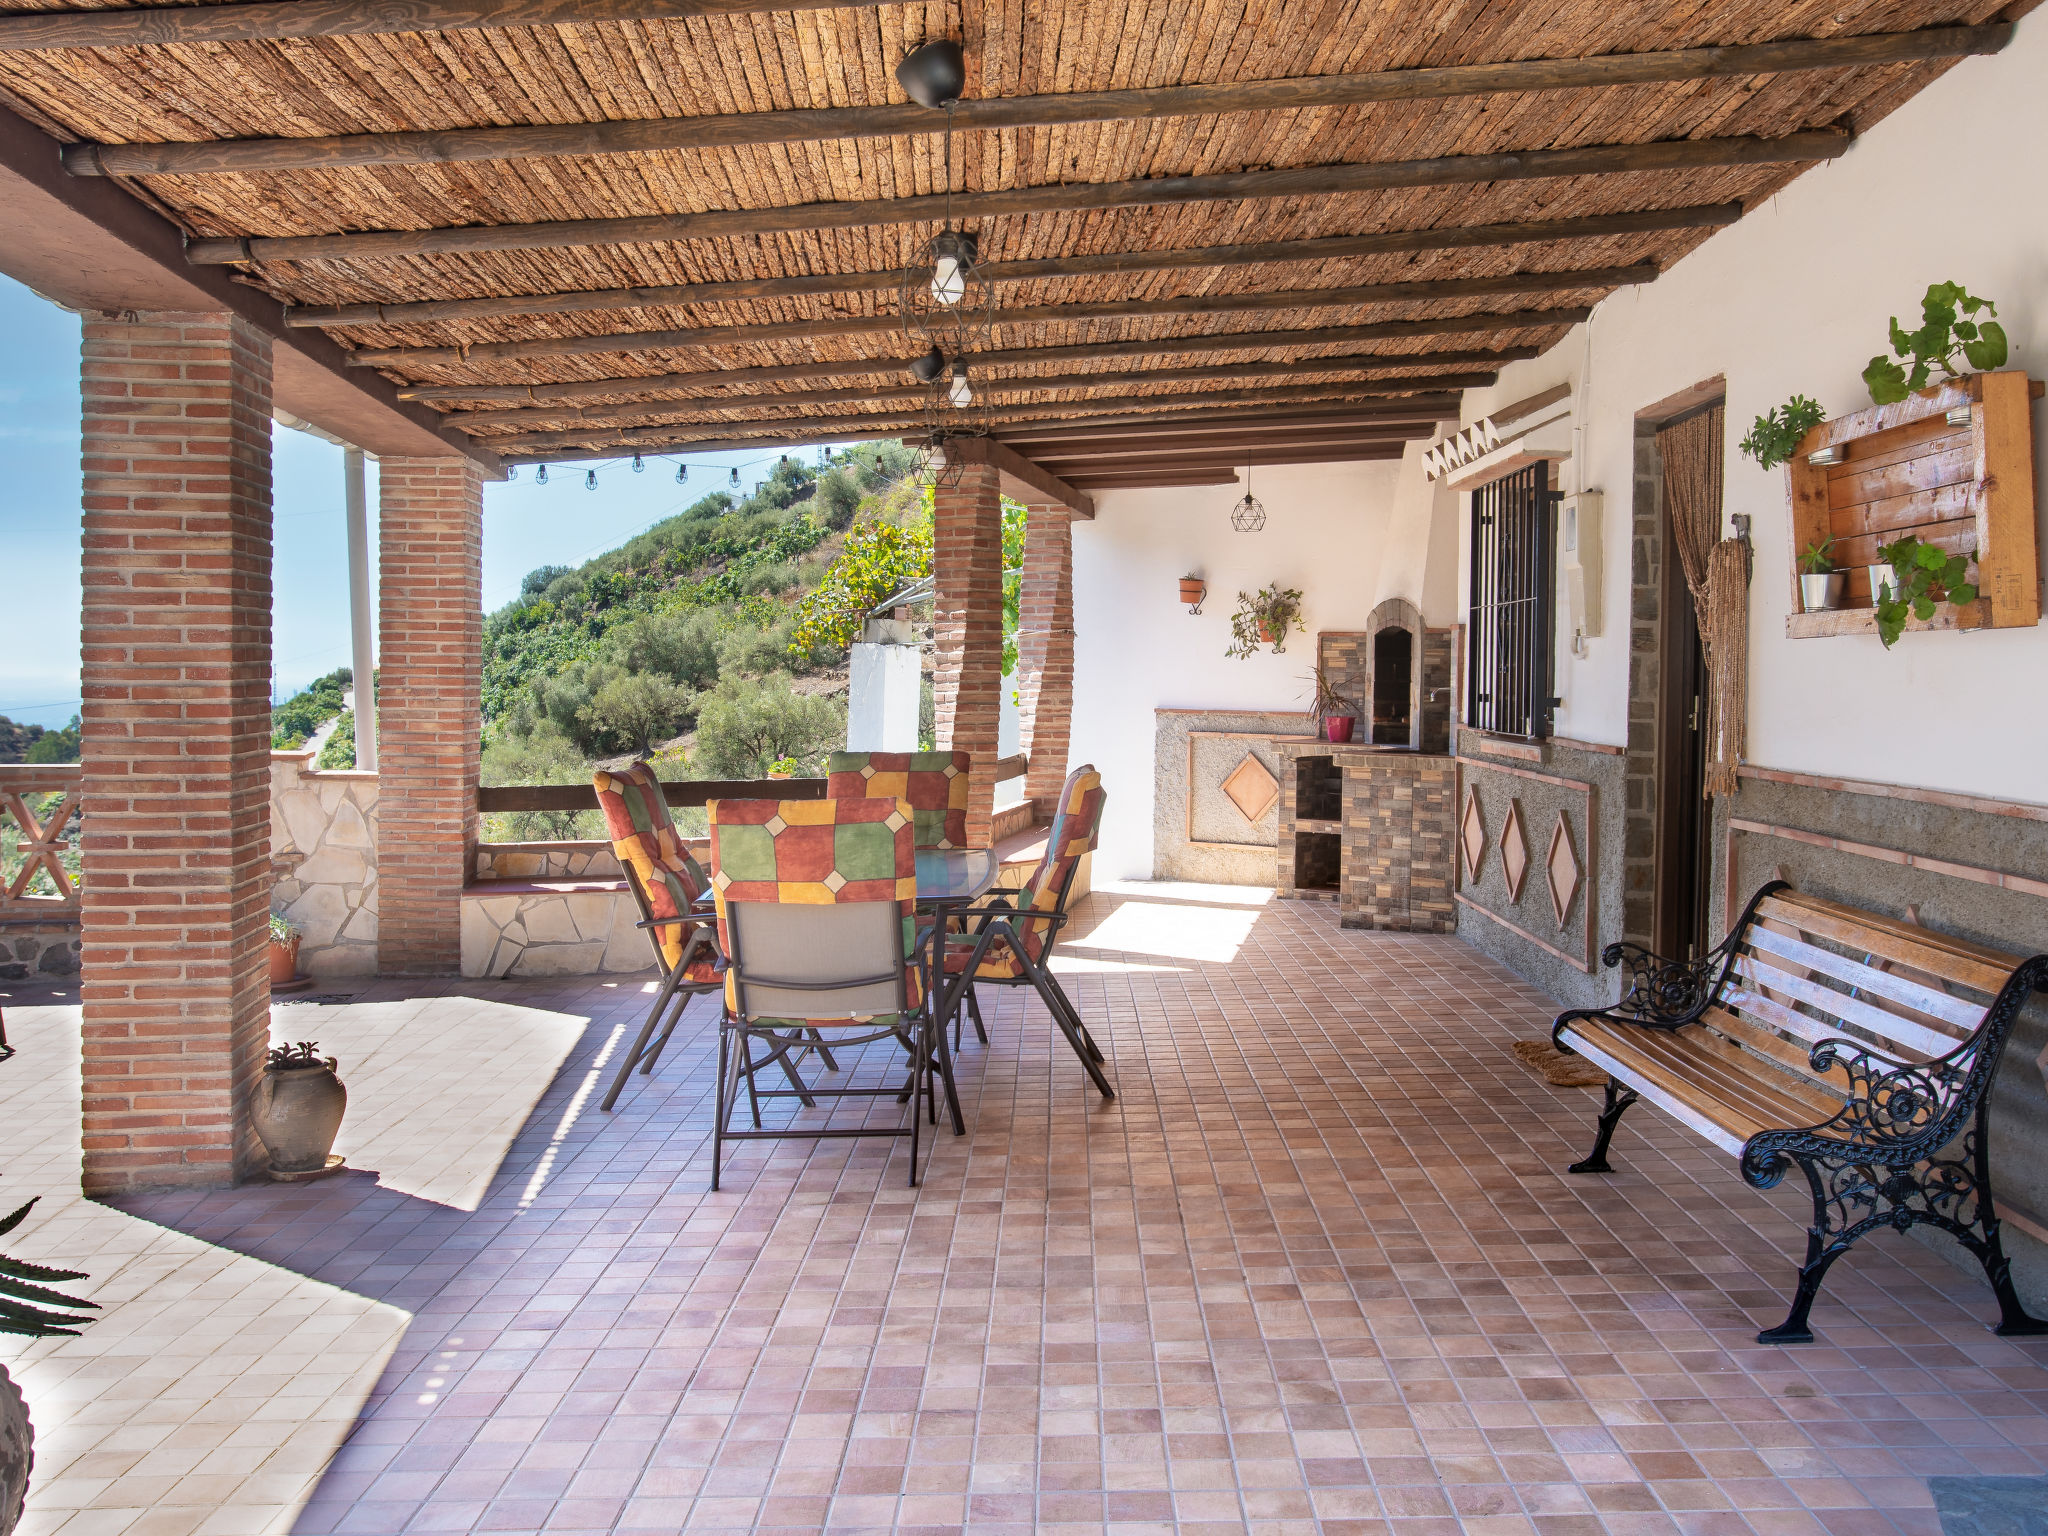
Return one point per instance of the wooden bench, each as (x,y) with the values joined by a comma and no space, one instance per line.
(1859,1047)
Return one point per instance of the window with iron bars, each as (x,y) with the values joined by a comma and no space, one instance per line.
(1508,628)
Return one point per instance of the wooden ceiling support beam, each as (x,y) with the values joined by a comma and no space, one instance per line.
(1309,453)
(628,414)
(1314,181)
(1335,248)
(655,383)
(711,338)
(1022,480)
(1192,423)
(810,125)
(796,435)
(1507,284)
(172,25)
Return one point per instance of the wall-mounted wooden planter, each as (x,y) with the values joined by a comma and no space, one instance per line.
(1954,465)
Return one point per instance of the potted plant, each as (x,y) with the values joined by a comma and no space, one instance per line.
(1774,436)
(1820,580)
(783,767)
(1263,618)
(1946,329)
(297,1112)
(1334,714)
(1192,590)
(284,950)
(25,1310)
(1918,578)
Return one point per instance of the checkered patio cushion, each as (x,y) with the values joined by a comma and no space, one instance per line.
(816,853)
(1072,834)
(935,784)
(655,860)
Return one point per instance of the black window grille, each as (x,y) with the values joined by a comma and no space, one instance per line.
(1508,673)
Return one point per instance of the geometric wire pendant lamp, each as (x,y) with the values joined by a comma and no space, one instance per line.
(1249,515)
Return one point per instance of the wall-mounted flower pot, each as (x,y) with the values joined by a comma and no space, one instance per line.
(1338,728)
(1192,590)
(1266,636)
(1822,590)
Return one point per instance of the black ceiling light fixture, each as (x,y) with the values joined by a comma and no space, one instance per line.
(947,301)
(1249,515)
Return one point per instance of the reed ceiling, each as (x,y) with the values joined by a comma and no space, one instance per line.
(669,369)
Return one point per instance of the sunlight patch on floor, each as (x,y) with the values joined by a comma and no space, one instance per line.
(1180,930)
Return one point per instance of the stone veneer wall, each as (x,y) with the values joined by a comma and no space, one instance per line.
(38,949)
(583,926)
(323,863)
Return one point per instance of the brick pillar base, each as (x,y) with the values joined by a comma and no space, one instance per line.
(1045,652)
(176,668)
(429,694)
(967,631)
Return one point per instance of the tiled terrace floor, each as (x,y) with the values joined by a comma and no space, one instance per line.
(1315,1270)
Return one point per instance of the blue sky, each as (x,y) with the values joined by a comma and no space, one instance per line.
(525,525)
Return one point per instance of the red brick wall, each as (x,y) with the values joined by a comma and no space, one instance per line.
(176,666)
(967,631)
(1045,651)
(429,660)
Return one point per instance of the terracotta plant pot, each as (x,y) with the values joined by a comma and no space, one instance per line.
(17,1452)
(1266,635)
(284,961)
(1192,590)
(297,1114)
(1338,727)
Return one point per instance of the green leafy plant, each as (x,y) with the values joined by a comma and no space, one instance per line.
(282,929)
(783,766)
(1775,435)
(1924,576)
(19,1312)
(1325,700)
(1266,615)
(1948,326)
(1819,559)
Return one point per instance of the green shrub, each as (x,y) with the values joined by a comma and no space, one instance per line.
(745,723)
(634,710)
(544,757)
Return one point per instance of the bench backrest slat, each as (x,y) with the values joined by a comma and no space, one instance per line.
(1955,1017)
(1888,1029)
(1763,1034)
(1951,959)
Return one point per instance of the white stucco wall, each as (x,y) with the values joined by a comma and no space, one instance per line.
(1137,649)
(1796,299)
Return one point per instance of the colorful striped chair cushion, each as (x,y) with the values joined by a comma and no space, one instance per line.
(1072,835)
(935,784)
(652,855)
(815,853)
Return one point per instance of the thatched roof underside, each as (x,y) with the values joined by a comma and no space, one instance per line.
(665,392)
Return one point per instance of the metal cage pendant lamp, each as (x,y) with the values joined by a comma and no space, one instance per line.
(1249,515)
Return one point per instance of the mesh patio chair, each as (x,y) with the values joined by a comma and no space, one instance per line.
(666,882)
(1009,938)
(935,784)
(817,915)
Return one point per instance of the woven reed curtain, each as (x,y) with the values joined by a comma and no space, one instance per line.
(1717,575)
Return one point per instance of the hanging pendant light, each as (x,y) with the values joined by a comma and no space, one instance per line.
(1249,515)
(948,303)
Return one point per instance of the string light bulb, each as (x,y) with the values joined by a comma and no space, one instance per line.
(735,477)
(540,476)
(590,480)
(682,473)
(637,465)
(512,472)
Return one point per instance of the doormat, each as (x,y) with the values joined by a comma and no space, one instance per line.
(1556,1068)
(1991,1506)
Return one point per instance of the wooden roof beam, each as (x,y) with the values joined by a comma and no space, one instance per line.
(1322,451)
(169,25)
(1338,248)
(730,130)
(625,414)
(1022,480)
(1042,357)
(662,341)
(1072,197)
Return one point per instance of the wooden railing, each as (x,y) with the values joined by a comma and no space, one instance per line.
(36,841)
(678,792)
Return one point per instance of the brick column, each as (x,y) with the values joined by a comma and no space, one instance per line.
(967,631)
(1045,651)
(176,670)
(429,676)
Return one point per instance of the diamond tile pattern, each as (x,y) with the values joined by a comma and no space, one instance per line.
(1514,851)
(1317,1270)
(1472,835)
(1562,867)
(1252,788)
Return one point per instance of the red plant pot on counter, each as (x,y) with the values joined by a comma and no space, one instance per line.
(1338,727)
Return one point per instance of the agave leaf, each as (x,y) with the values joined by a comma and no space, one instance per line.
(29,1271)
(41,1330)
(19,1290)
(15,1218)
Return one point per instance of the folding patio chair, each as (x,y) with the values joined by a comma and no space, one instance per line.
(665,881)
(817,903)
(935,784)
(1010,937)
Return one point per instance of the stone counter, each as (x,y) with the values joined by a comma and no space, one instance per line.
(1371,828)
